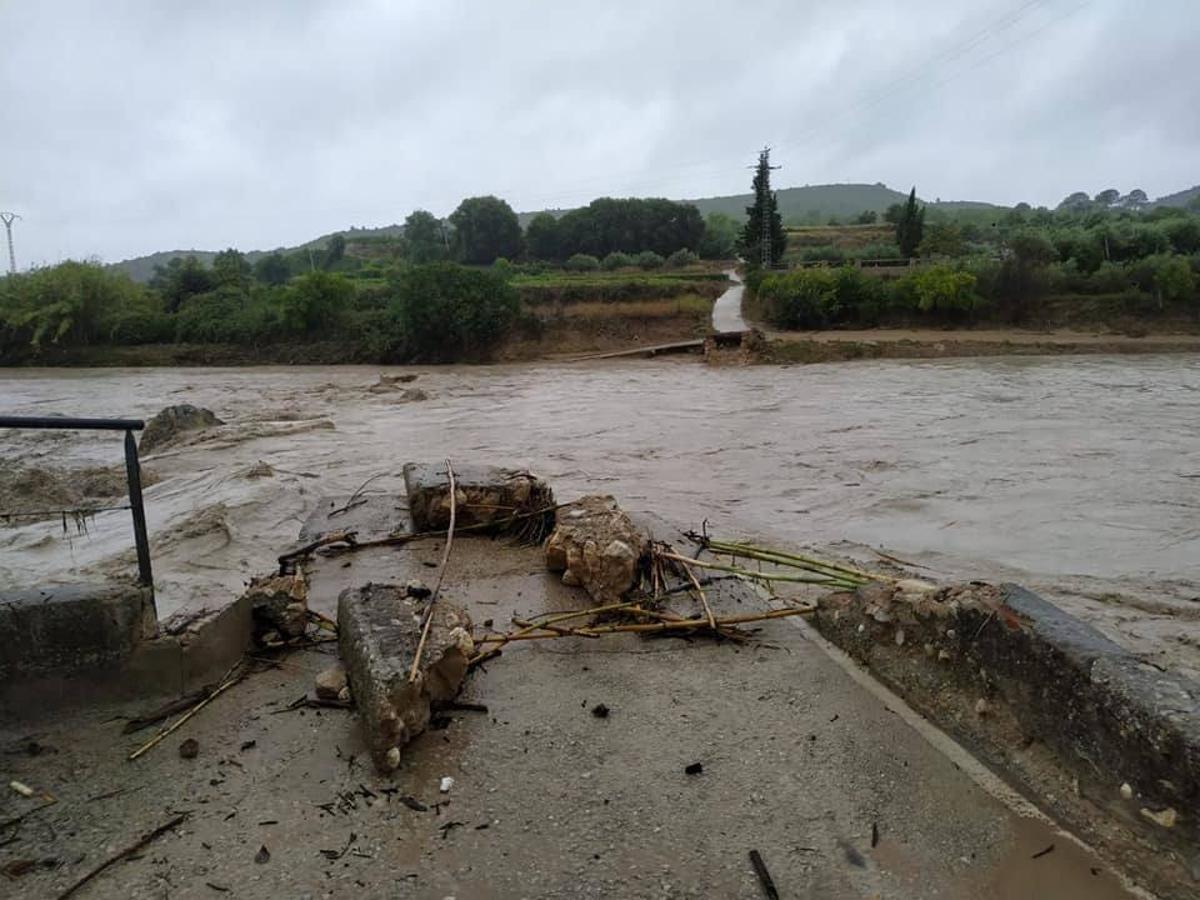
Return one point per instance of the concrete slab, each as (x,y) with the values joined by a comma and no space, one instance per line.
(67,628)
(837,792)
(1078,723)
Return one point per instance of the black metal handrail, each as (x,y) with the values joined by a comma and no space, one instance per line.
(133,470)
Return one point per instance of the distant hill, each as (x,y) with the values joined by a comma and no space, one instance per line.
(1180,198)
(809,204)
(817,203)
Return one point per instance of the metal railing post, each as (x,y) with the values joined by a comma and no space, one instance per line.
(134,472)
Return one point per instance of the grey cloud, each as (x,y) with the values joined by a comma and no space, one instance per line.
(138,126)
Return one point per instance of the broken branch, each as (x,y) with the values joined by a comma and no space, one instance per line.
(145,839)
(416,663)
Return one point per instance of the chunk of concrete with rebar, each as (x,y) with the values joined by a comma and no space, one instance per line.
(486,497)
(596,545)
(379,631)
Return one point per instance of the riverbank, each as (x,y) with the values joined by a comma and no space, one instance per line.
(929,343)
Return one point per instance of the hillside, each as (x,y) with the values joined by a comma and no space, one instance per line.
(811,204)
(1180,198)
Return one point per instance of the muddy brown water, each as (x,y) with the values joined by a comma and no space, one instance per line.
(1079,476)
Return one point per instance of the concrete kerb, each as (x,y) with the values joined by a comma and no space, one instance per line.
(70,645)
(1018,673)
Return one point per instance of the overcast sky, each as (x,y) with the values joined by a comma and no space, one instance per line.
(129,127)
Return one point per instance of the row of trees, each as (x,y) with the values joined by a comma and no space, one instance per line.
(436,312)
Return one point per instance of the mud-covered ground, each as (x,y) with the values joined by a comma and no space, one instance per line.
(1078,477)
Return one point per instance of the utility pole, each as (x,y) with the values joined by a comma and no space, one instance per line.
(8,218)
(763,199)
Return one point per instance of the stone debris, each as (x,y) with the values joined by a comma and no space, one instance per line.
(379,629)
(447,783)
(279,603)
(597,546)
(1165,818)
(484,496)
(389,383)
(331,682)
(173,421)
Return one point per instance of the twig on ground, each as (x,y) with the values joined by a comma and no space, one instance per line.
(333,537)
(145,839)
(416,663)
(764,876)
(651,627)
(227,682)
(354,498)
(170,709)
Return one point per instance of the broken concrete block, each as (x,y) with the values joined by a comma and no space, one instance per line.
(331,682)
(279,603)
(172,422)
(485,495)
(379,628)
(596,545)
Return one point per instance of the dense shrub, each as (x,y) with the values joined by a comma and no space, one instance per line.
(617,260)
(946,292)
(582,262)
(681,259)
(648,259)
(449,312)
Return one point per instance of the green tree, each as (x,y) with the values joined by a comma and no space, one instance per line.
(943,240)
(449,312)
(316,302)
(181,278)
(272,270)
(911,227)
(424,237)
(542,238)
(866,217)
(484,228)
(894,214)
(617,260)
(1135,200)
(335,251)
(648,259)
(762,218)
(229,267)
(1108,198)
(720,236)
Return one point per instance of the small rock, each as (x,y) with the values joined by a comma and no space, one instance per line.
(693,769)
(417,589)
(331,682)
(263,855)
(981,707)
(1166,818)
(344,694)
(173,421)
(446,784)
(943,655)
(899,637)
(930,650)
(1126,791)
(189,749)
(600,711)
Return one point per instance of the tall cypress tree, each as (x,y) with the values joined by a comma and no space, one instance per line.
(911,227)
(765,209)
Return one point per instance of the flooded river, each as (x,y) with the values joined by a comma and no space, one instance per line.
(1077,475)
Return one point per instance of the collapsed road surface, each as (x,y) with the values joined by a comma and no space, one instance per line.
(615,767)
